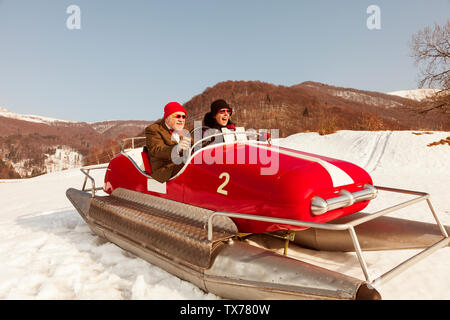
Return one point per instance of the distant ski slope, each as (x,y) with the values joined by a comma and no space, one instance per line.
(417,94)
(32,118)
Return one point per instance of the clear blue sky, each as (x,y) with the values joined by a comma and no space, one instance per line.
(132,57)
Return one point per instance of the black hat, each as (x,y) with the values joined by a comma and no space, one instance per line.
(219,104)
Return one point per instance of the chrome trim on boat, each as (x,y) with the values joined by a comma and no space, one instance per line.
(320,206)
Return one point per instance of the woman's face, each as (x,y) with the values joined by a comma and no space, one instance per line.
(223,116)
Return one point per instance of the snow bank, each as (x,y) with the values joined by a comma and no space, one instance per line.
(416,94)
(48,252)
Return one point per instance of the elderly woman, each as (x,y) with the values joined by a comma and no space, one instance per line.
(220,116)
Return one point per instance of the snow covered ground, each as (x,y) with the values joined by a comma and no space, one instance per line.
(48,252)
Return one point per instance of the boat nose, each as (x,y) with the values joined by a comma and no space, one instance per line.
(81,201)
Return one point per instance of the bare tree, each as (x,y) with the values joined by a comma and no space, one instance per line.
(430,48)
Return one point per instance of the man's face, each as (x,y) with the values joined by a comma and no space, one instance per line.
(176,121)
(223,116)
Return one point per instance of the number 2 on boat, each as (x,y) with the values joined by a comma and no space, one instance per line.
(227,179)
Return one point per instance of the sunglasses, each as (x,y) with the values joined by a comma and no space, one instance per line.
(226,110)
(179,116)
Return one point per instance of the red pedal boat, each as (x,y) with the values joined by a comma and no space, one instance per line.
(202,224)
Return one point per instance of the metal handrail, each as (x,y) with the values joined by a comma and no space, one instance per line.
(86,170)
(350,228)
(122,142)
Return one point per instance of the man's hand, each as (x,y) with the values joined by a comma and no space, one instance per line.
(184,144)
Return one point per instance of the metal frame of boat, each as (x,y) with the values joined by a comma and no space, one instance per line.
(349,226)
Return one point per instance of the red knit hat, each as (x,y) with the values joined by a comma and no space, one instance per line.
(173,107)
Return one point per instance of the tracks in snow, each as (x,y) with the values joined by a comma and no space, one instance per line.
(378,150)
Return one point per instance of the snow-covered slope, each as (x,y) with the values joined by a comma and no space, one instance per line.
(48,252)
(32,118)
(417,94)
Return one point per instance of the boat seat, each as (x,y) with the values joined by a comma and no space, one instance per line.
(146,160)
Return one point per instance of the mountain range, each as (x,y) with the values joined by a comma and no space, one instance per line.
(313,106)
(31,145)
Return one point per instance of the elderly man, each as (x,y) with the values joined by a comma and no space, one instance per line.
(163,141)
